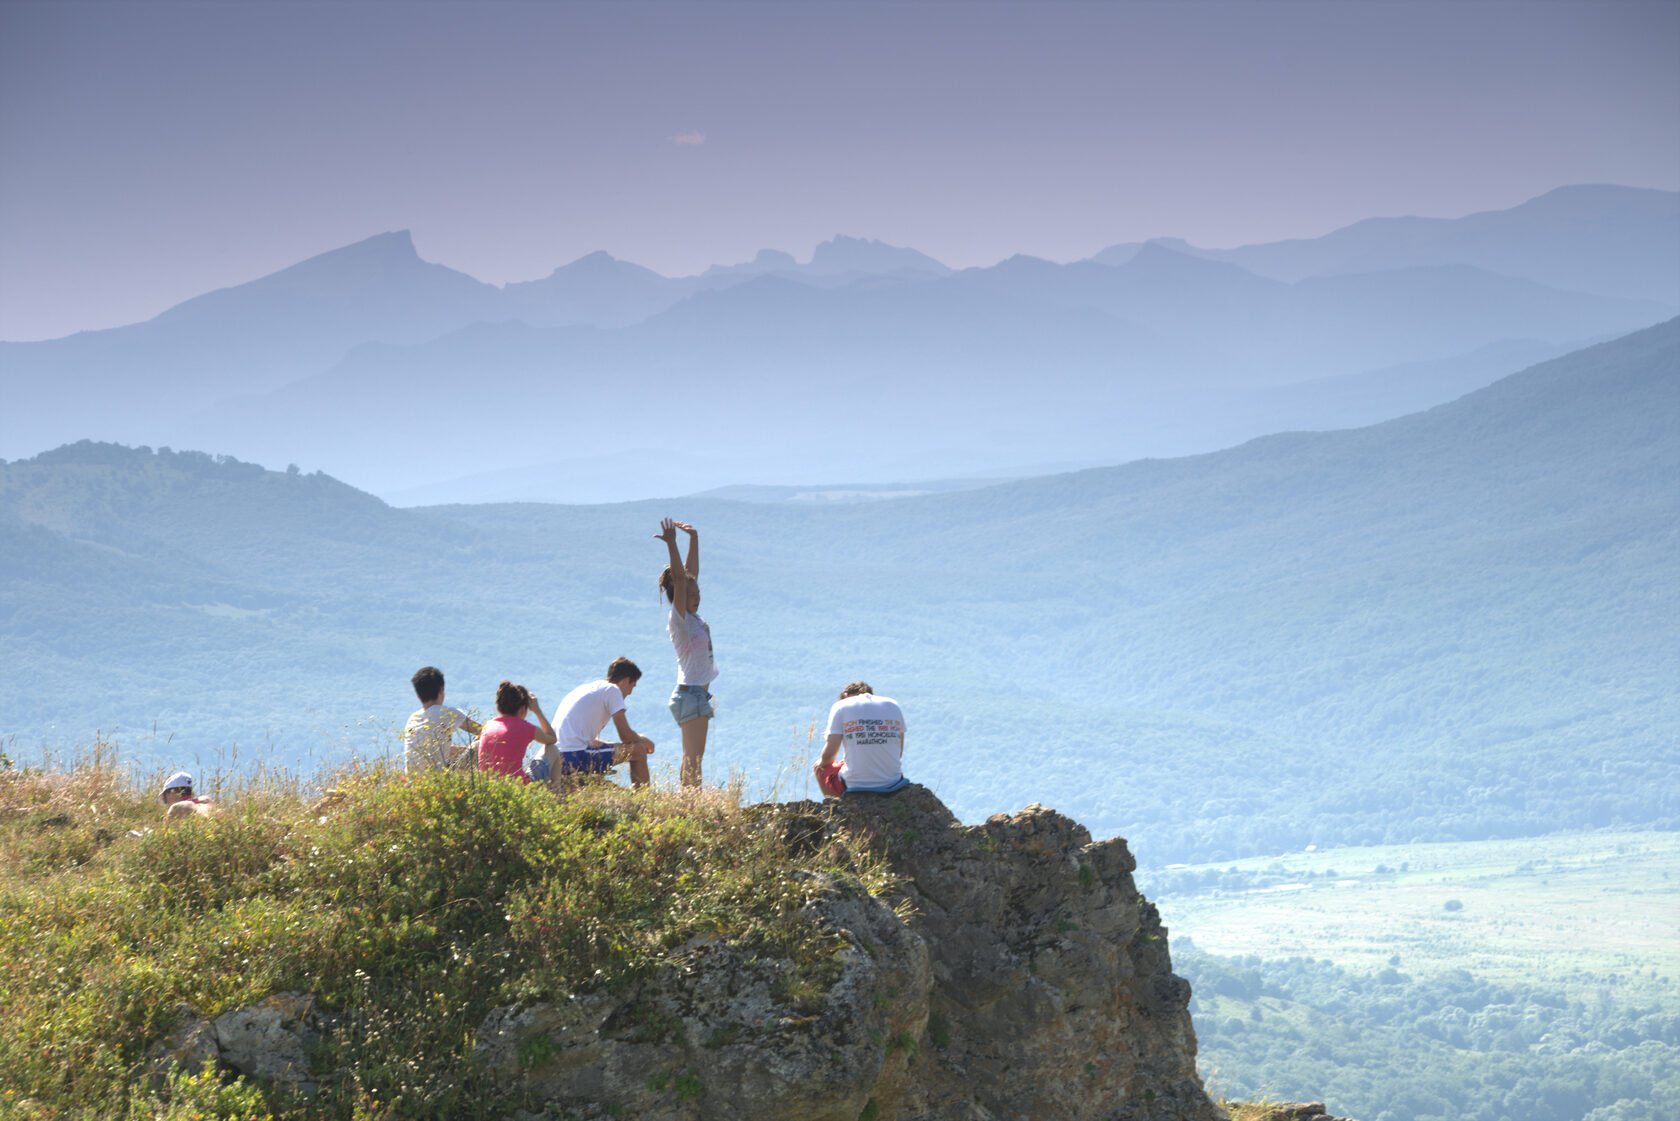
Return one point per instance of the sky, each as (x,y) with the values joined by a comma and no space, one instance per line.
(150,152)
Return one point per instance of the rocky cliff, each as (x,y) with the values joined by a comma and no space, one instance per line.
(1014,974)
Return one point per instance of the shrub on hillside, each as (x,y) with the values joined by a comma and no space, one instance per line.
(415,907)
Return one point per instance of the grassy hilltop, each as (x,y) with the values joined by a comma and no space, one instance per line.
(420,904)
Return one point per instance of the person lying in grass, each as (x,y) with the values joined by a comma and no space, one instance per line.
(179,803)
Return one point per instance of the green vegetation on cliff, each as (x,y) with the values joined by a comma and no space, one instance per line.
(411,907)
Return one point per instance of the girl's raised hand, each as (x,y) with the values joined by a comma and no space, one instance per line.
(686,528)
(667,530)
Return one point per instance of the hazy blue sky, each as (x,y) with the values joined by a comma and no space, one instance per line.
(153,151)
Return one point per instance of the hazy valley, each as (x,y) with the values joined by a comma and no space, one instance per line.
(1436,639)
(1454,625)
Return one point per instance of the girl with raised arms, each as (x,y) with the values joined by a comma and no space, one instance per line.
(691,702)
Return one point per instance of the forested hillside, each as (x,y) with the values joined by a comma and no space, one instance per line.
(1461,624)
(1453,1047)
(1534,979)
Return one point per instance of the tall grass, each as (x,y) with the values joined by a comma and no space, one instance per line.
(412,907)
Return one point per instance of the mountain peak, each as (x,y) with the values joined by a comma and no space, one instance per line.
(1126,252)
(391,246)
(765,261)
(596,263)
(376,256)
(842,254)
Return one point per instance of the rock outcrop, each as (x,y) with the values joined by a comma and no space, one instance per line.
(1028,981)
(269,1040)
(716,1035)
(1298,1111)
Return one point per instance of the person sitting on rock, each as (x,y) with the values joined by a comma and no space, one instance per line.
(178,801)
(582,716)
(429,738)
(871,730)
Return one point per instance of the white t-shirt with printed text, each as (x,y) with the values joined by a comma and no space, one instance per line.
(873,746)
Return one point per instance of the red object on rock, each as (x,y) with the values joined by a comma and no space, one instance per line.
(828,778)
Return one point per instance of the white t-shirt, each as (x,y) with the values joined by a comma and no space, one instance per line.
(584,712)
(693,641)
(873,728)
(427,737)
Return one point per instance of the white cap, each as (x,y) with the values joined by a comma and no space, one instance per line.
(179,779)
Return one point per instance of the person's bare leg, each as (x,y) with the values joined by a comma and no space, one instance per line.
(694,749)
(636,756)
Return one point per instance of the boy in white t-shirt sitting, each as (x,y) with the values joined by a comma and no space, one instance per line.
(429,738)
(871,729)
(583,715)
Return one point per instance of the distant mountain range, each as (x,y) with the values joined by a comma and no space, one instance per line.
(1461,623)
(419,382)
(1612,241)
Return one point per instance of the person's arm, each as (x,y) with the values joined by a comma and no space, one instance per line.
(692,565)
(679,575)
(831,749)
(545,733)
(452,750)
(626,734)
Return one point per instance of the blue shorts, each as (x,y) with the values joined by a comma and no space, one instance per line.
(892,787)
(589,760)
(690,701)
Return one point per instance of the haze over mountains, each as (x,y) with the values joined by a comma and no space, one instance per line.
(419,383)
(1461,623)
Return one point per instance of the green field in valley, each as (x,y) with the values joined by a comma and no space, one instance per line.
(1504,980)
(1574,909)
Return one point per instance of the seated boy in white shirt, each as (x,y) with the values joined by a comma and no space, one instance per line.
(429,739)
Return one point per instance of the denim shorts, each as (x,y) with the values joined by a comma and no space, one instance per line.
(690,701)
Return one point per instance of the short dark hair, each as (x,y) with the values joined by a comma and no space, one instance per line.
(622,668)
(856,689)
(510,698)
(428,684)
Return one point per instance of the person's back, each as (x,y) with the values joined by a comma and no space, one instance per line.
(871,731)
(584,714)
(429,736)
(502,744)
